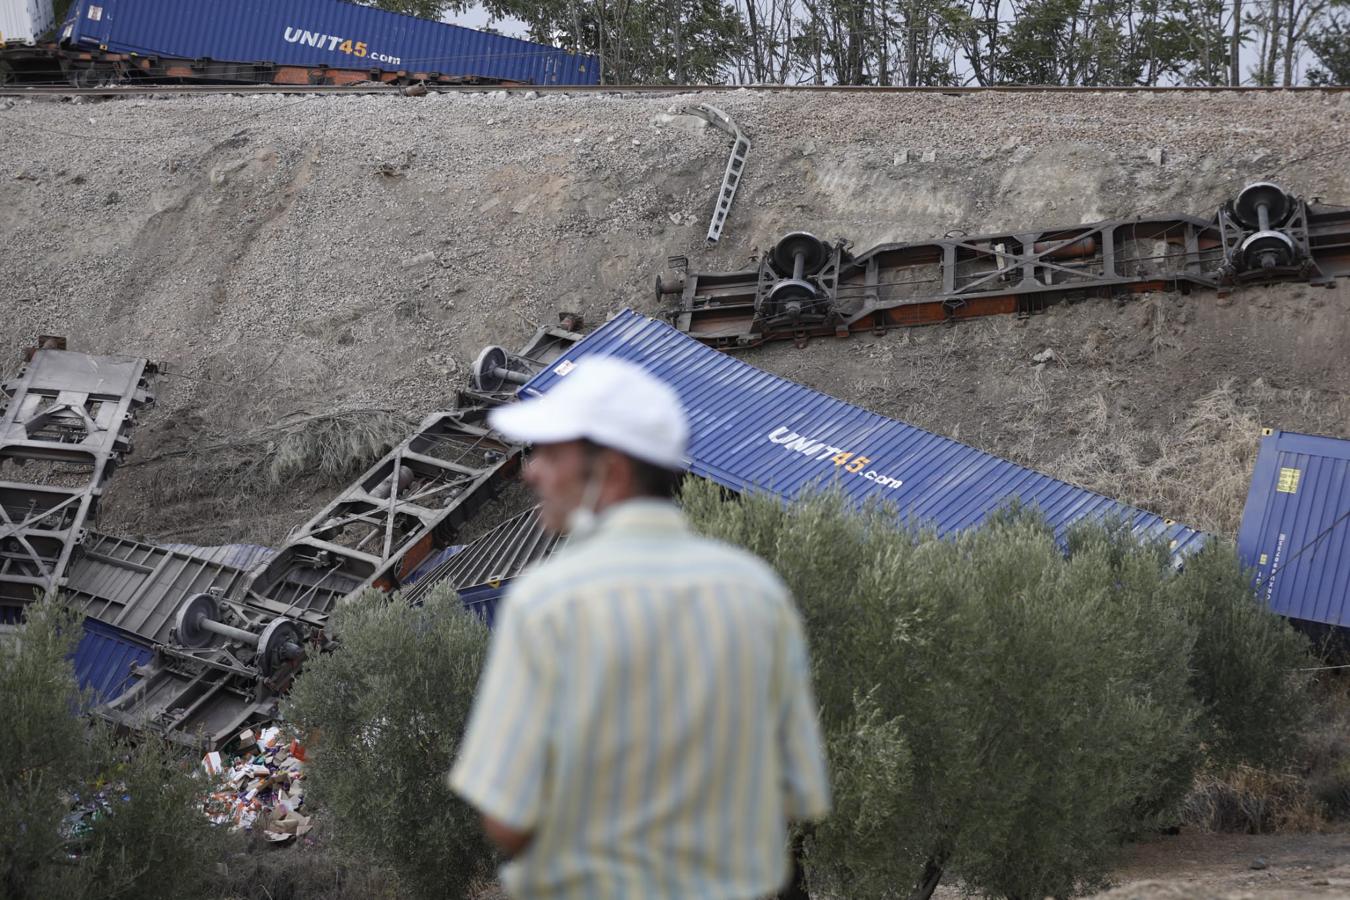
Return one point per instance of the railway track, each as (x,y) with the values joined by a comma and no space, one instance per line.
(141,90)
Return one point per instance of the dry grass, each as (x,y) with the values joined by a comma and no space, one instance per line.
(1310,794)
(1199,470)
(1252,801)
(334,448)
(232,487)
(323,450)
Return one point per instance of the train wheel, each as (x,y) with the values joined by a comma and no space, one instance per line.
(88,78)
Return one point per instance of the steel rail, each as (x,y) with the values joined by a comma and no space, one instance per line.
(139,90)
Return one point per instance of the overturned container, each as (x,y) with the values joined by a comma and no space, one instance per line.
(312,35)
(1296,526)
(752,430)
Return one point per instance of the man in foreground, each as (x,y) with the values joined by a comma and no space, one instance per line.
(645,725)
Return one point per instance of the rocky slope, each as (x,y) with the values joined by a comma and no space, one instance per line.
(290,256)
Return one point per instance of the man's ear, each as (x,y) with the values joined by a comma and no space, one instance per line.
(613,466)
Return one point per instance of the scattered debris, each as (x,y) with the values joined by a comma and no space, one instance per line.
(263,788)
(85,812)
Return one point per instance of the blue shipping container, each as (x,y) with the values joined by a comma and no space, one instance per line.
(753,430)
(1296,526)
(482,600)
(105,656)
(312,33)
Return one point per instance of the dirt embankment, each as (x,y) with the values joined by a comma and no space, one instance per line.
(292,257)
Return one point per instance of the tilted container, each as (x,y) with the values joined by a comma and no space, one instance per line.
(316,33)
(751,430)
(1296,526)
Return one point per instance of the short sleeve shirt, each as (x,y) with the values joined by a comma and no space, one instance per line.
(646,712)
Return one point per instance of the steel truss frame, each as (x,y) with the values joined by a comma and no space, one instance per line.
(73,412)
(371,536)
(374,533)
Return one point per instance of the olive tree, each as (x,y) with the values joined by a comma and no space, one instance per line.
(85,813)
(999,710)
(382,716)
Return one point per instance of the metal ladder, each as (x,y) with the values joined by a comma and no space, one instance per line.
(740,148)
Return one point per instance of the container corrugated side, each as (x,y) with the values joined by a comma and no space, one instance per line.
(314,33)
(429,565)
(237,556)
(754,430)
(501,554)
(24,21)
(104,658)
(1296,526)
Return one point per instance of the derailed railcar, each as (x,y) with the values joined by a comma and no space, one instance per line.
(751,430)
(297,42)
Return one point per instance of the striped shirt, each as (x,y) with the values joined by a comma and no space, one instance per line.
(646,712)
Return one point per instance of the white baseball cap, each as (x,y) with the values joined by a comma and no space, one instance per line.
(606,400)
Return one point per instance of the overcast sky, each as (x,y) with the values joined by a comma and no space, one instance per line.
(477,17)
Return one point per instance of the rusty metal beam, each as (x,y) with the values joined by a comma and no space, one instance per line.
(836,292)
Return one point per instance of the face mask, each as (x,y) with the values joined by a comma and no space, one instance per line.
(582,520)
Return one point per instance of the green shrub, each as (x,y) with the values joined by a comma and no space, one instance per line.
(384,715)
(151,838)
(1326,762)
(44,752)
(143,833)
(1257,705)
(994,707)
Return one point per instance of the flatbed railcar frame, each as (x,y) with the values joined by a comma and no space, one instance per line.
(51,63)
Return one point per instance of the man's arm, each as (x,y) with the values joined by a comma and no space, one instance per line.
(510,841)
(502,758)
(806,780)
